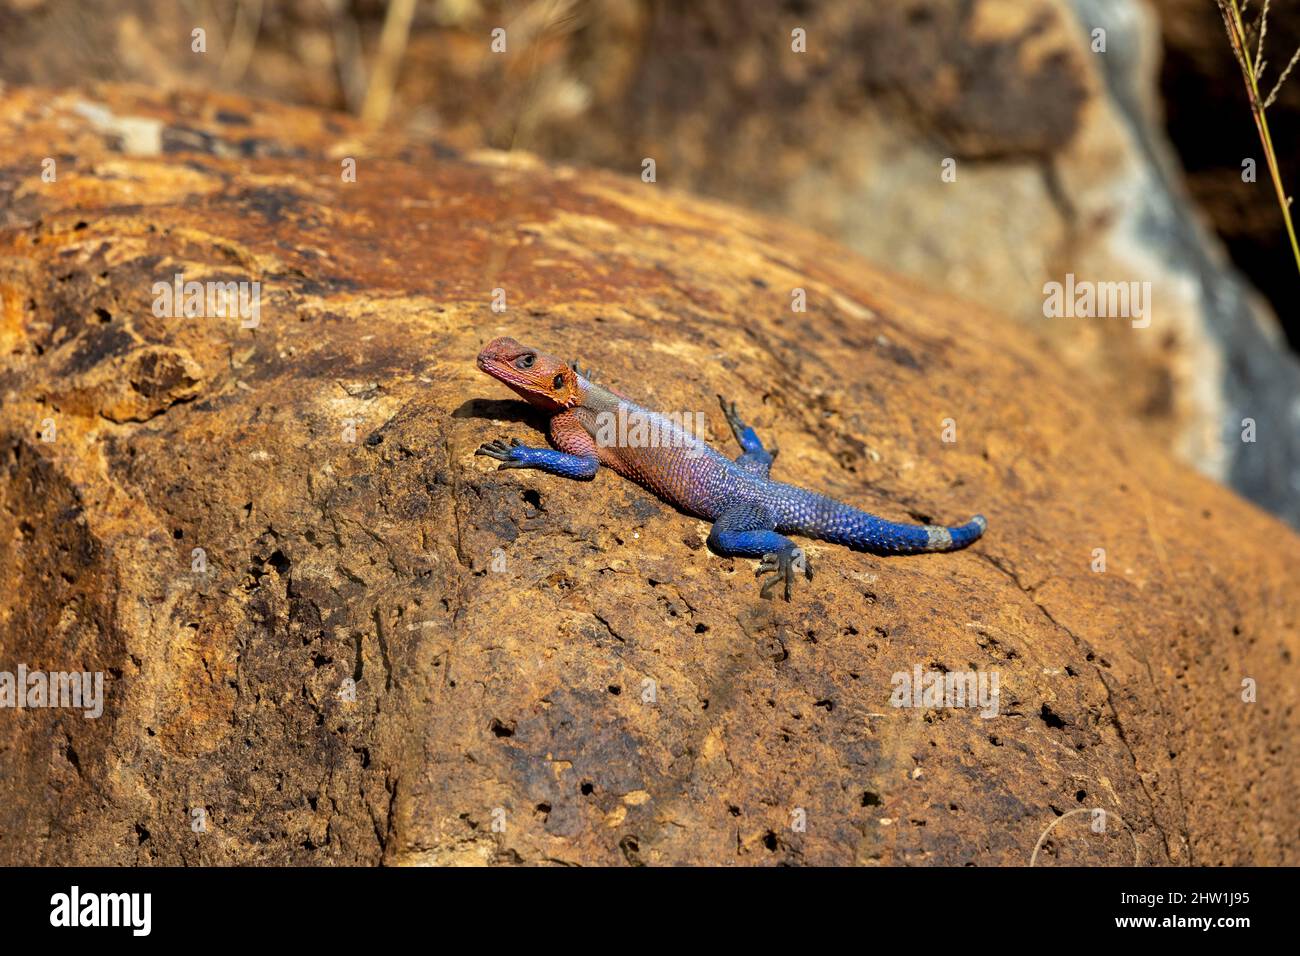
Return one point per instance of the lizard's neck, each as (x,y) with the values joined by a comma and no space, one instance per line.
(599,399)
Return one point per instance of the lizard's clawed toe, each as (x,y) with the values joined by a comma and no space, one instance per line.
(781,567)
(502,451)
(497,448)
(732,416)
(799,561)
(588,374)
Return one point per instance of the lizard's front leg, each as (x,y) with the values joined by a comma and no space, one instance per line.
(577,459)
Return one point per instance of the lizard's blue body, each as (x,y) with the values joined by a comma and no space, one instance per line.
(751,513)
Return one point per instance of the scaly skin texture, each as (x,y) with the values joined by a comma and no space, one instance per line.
(751,514)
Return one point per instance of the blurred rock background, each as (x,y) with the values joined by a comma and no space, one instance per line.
(1122,165)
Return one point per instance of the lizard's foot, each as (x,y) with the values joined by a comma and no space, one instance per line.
(744,434)
(586,373)
(782,566)
(733,417)
(505,452)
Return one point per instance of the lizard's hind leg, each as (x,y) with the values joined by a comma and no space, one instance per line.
(747,530)
(754,458)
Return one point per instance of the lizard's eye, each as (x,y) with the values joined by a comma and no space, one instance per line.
(525,361)
(559,382)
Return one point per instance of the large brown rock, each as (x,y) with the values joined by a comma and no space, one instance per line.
(553,671)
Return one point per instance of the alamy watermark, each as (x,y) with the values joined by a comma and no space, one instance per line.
(75,908)
(927,689)
(636,428)
(1084,299)
(213,299)
(79,690)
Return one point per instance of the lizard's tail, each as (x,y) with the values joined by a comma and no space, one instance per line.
(820,517)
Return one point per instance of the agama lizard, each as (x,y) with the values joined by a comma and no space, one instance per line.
(750,512)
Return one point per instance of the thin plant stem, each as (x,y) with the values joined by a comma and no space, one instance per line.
(1237,36)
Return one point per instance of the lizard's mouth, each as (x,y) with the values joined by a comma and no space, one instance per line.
(489,362)
(494,365)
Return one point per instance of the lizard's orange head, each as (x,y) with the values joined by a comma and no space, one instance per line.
(541,379)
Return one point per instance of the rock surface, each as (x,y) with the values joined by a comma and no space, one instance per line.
(557,672)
